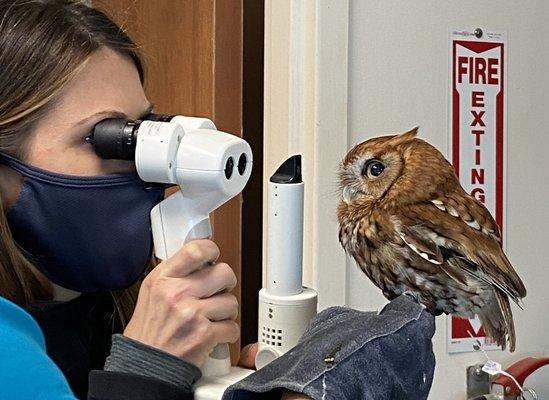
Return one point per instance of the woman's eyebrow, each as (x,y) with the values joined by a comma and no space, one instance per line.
(113,114)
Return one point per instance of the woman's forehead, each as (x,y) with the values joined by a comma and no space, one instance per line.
(108,81)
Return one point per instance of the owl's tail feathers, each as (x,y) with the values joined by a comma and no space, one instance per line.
(498,322)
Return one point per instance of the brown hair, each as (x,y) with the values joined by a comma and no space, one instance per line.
(43,45)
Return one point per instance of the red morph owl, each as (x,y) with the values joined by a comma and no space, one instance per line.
(411,227)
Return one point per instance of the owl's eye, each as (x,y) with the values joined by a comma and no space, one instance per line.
(373,168)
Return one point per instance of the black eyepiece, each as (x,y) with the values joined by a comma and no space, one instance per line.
(158,117)
(115,138)
(229,166)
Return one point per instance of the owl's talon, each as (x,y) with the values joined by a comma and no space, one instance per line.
(414,296)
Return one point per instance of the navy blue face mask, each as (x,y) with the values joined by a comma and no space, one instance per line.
(84,233)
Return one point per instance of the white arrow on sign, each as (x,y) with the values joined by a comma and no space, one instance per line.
(475,324)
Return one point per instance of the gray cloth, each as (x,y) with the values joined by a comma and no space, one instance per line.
(348,355)
(131,356)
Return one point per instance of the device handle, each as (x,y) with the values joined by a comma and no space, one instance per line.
(219,361)
(175,222)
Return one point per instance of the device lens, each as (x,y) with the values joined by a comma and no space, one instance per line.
(229,166)
(242,163)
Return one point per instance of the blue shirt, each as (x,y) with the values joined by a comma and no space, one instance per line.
(26,371)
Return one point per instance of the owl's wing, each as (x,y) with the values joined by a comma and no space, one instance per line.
(419,239)
(471,211)
(457,247)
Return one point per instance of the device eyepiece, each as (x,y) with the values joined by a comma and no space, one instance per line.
(229,166)
(115,138)
(158,117)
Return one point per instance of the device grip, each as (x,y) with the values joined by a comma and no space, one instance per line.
(174,223)
(219,361)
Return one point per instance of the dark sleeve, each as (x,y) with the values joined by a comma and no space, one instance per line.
(348,354)
(108,385)
(134,370)
(133,357)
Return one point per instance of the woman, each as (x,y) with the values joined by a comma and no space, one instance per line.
(74,229)
(75,246)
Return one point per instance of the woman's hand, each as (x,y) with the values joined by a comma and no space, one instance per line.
(184,307)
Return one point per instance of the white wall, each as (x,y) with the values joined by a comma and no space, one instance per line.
(398,78)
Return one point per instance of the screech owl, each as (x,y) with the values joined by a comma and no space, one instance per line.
(411,227)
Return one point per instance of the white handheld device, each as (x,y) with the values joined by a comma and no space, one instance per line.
(209,166)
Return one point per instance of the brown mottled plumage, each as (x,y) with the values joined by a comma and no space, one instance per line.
(411,227)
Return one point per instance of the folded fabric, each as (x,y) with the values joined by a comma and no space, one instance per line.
(348,355)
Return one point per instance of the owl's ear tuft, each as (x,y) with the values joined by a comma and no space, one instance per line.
(404,137)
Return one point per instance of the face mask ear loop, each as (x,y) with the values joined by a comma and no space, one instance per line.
(10,161)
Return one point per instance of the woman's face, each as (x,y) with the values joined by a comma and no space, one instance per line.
(107,87)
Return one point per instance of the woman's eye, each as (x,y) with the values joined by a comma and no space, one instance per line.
(374,168)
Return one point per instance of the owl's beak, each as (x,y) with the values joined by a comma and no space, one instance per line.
(348,194)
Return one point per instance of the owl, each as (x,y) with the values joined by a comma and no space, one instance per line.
(412,228)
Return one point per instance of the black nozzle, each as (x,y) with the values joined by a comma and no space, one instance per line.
(115,138)
(289,171)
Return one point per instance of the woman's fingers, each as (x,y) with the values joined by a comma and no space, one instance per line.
(190,258)
(225,331)
(247,356)
(211,280)
(183,306)
(220,307)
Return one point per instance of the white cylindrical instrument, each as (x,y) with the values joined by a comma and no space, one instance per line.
(285,306)
(285,239)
